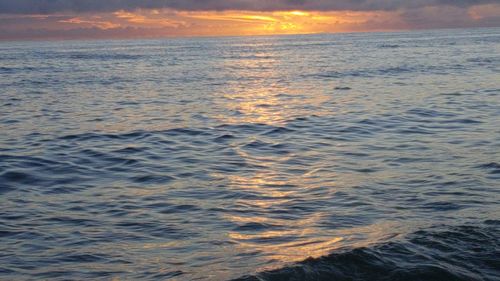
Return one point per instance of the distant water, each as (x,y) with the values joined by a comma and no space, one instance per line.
(376,155)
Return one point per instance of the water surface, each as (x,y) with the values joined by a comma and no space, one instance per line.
(219,158)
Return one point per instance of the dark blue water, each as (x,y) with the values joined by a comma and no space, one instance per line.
(318,157)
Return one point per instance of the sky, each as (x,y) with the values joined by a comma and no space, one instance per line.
(110,19)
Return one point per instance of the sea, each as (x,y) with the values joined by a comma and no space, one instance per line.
(356,156)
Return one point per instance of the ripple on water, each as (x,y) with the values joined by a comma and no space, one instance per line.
(492,167)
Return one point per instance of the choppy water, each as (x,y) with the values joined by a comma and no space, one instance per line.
(377,155)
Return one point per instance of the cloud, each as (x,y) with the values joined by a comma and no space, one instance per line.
(85,32)
(68,19)
(79,6)
(94,23)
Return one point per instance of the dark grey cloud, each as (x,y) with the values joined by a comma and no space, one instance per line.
(446,17)
(55,6)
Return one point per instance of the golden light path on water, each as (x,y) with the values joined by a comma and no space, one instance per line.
(273,185)
(268,100)
(298,237)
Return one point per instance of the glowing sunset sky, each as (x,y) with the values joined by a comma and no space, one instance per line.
(70,19)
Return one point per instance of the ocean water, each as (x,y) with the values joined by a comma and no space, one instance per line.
(308,157)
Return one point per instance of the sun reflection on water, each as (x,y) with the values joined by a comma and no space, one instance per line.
(266,227)
(267,100)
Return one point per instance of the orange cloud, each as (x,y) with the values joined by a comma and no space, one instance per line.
(150,19)
(281,22)
(93,23)
(484,11)
(165,22)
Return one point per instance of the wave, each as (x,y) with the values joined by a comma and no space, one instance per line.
(467,252)
(389,71)
(99,55)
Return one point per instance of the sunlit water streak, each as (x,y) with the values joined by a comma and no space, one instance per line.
(216,158)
